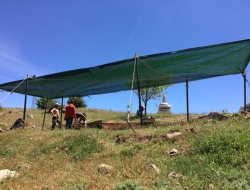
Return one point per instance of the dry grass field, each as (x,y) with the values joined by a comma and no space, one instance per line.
(211,153)
(9,116)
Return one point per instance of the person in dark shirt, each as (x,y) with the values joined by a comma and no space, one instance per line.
(140,111)
(18,123)
(80,116)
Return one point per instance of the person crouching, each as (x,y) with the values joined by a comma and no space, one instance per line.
(80,116)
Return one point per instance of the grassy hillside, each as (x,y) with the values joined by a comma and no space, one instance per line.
(212,154)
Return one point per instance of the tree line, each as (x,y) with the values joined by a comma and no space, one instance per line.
(79,102)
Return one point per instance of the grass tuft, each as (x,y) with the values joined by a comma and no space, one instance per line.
(80,146)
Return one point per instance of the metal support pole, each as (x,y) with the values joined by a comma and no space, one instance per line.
(45,109)
(245,92)
(187,100)
(25,99)
(138,87)
(61,112)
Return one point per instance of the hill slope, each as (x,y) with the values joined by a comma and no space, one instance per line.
(212,154)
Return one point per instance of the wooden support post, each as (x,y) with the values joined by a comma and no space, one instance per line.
(61,112)
(187,100)
(25,100)
(45,109)
(138,87)
(245,91)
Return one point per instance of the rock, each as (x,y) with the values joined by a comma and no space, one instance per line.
(216,115)
(103,168)
(3,124)
(169,136)
(7,173)
(174,175)
(158,171)
(173,152)
(211,187)
(30,116)
(24,166)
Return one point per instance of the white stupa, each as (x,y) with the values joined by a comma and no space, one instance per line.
(164,107)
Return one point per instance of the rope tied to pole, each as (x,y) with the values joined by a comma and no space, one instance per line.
(131,92)
(14,89)
(214,94)
(245,74)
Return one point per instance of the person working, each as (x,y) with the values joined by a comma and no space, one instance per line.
(80,116)
(70,114)
(140,111)
(55,116)
(18,123)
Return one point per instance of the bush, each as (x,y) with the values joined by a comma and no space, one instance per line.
(41,104)
(78,102)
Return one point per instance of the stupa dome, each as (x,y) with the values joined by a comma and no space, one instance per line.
(164,106)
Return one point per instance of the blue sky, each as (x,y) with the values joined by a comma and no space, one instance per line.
(49,36)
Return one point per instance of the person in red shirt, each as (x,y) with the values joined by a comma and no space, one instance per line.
(70,114)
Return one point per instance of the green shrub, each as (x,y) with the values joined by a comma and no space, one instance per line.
(225,148)
(41,149)
(128,185)
(81,146)
(6,152)
(127,152)
(163,183)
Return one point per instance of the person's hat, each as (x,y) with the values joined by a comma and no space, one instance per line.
(57,104)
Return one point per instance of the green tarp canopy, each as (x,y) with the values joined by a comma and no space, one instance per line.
(154,70)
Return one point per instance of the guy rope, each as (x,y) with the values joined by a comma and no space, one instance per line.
(131,92)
